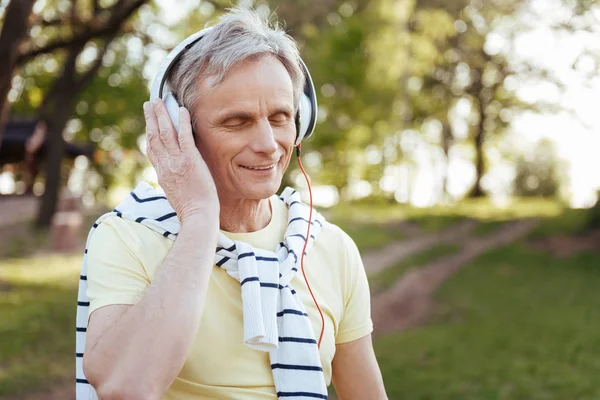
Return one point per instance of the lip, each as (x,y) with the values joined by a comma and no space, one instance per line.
(259,167)
(260,170)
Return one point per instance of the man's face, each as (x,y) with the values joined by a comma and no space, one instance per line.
(245,128)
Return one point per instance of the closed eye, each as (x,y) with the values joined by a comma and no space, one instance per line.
(280,118)
(235,122)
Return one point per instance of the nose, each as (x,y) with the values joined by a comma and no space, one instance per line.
(263,140)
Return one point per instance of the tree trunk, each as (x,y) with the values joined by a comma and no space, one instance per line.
(55,111)
(479,138)
(446,143)
(54,158)
(14,30)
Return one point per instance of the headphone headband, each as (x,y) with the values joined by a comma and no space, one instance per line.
(307,110)
(169,62)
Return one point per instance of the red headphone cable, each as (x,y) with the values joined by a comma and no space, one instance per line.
(304,249)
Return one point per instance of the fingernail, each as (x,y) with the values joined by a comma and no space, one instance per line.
(156,102)
(146,106)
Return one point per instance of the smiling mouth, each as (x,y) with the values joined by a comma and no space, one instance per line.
(259,167)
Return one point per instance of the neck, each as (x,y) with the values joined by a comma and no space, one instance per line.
(243,215)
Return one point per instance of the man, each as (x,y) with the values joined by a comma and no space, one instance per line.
(166,320)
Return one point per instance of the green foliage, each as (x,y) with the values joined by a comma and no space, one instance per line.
(351,106)
(594,215)
(380,67)
(537,176)
(514,324)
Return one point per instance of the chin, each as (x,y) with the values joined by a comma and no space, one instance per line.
(260,191)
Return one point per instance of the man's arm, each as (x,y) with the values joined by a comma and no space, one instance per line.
(135,352)
(356,375)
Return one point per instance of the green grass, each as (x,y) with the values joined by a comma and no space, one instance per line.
(37,310)
(433,223)
(372,236)
(386,278)
(21,239)
(487,227)
(569,222)
(513,324)
(440,217)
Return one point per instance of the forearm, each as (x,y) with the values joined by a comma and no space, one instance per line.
(148,344)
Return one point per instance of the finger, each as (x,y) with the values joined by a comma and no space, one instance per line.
(153,142)
(186,136)
(166,131)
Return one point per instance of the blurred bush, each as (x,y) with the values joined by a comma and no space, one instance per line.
(537,172)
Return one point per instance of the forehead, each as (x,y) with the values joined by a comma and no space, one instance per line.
(260,80)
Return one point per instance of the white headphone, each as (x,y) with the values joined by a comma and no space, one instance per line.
(306,116)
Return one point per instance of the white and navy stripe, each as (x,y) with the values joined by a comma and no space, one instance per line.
(275,320)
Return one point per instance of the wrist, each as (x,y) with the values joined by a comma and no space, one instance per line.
(201,219)
(206,212)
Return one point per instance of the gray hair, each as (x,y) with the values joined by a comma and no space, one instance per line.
(241,34)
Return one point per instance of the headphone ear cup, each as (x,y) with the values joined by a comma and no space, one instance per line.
(306,119)
(173,109)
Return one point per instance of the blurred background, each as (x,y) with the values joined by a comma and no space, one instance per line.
(457,142)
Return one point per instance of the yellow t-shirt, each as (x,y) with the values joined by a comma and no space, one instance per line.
(123,257)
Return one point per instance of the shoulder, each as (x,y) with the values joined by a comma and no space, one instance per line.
(118,239)
(131,233)
(334,237)
(341,269)
(340,254)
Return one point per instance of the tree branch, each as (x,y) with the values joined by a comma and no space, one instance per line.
(96,7)
(60,20)
(88,75)
(74,17)
(119,15)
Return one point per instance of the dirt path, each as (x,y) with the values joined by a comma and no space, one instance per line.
(409,301)
(15,209)
(378,260)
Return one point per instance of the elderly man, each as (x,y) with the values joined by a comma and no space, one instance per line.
(169,318)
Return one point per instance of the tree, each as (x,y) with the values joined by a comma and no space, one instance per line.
(60,100)
(14,31)
(466,69)
(71,33)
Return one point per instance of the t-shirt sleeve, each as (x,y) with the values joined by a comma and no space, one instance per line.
(356,319)
(115,274)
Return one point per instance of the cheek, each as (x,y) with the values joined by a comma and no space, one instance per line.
(286,140)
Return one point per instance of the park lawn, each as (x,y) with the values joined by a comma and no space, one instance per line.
(438,218)
(37,309)
(372,236)
(488,227)
(386,278)
(513,324)
(569,222)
